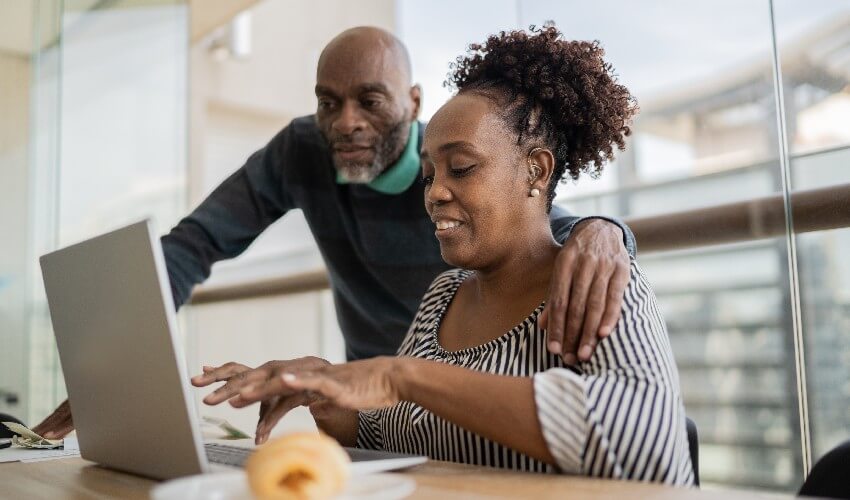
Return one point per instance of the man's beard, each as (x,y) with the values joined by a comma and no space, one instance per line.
(387,150)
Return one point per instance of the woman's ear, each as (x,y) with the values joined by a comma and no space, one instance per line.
(541,166)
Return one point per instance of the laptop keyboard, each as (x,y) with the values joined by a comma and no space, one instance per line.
(227,455)
(235,456)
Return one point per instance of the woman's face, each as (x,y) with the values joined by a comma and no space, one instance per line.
(477,184)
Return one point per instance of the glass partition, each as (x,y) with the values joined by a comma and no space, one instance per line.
(30,62)
(813,49)
(106,106)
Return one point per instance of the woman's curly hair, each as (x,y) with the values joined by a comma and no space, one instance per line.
(554,93)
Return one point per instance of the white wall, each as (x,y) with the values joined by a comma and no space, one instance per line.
(14,226)
(255,331)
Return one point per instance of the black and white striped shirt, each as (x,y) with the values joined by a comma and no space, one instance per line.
(619,415)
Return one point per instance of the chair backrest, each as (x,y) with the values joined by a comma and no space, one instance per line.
(828,478)
(693,445)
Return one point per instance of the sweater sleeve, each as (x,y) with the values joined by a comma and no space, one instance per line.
(563,222)
(230,218)
(620,416)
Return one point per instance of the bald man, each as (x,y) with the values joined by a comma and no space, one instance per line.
(352,168)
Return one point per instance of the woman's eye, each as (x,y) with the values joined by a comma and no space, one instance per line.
(460,172)
(428,180)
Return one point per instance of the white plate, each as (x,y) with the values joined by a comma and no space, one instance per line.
(234,486)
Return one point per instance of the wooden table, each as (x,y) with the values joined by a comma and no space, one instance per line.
(75,478)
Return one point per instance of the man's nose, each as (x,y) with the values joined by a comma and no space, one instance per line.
(349,120)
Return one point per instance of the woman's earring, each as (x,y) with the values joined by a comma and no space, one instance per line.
(535,173)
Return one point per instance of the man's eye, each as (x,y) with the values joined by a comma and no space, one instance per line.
(325,104)
(371,103)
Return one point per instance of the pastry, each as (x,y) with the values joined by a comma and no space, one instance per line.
(298,466)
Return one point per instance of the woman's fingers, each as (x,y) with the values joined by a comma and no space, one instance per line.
(270,418)
(212,374)
(235,384)
(261,391)
(320,384)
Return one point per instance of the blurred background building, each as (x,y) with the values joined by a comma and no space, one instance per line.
(114,110)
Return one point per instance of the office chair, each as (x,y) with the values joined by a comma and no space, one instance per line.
(829,476)
(693,446)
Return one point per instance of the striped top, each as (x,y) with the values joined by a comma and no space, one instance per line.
(618,415)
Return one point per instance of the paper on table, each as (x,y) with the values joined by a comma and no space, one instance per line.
(29,439)
(230,432)
(27,455)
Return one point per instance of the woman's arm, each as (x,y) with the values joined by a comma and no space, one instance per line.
(623,416)
(499,408)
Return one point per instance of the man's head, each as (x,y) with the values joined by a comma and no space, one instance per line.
(366,102)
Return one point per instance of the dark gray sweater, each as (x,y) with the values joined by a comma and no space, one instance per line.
(380,250)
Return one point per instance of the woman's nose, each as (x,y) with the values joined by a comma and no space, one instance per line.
(439,192)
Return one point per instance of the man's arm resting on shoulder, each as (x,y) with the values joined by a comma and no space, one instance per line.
(588,282)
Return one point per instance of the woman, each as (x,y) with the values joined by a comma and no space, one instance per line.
(474,380)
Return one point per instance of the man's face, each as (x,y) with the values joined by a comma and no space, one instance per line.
(365,108)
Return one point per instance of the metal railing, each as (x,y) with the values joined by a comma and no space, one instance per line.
(754,219)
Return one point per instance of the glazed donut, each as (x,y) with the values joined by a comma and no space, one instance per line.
(298,466)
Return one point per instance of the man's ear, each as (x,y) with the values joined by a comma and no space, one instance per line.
(416,99)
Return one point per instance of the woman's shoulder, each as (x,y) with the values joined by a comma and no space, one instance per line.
(439,293)
(638,289)
(446,283)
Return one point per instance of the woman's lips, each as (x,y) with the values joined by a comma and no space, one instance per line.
(446,224)
(447,227)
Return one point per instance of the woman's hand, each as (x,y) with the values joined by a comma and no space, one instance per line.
(359,385)
(339,423)
(237,377)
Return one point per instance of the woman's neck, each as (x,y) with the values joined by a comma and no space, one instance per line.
(524,272)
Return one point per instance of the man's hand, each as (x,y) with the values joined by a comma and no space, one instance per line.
(238,377)
(586,292)
(58,424)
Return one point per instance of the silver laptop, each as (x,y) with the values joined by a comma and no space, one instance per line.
(113,316)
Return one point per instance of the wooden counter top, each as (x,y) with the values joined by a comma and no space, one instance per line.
(76,478)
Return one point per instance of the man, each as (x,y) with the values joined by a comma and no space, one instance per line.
(353,169)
